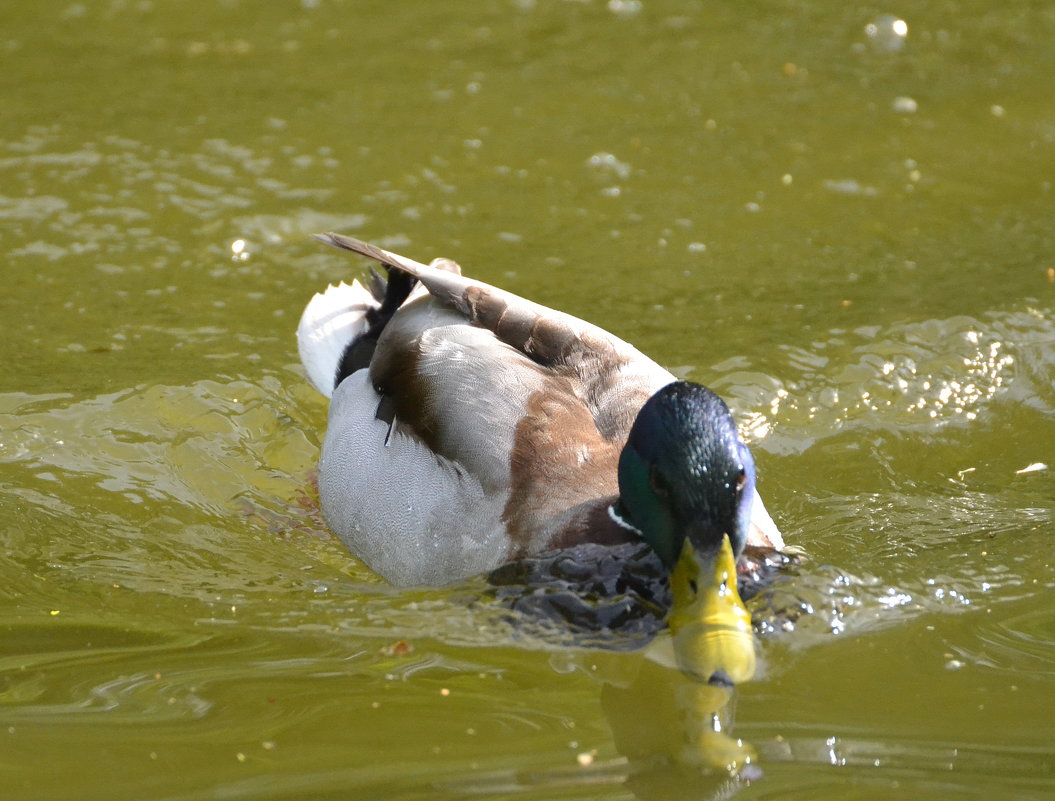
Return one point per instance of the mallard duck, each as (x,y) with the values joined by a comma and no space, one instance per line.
(470,428)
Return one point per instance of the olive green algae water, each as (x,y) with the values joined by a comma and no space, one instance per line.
(840,217)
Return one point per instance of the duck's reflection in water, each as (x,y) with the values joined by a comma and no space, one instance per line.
(661,716)
(673,731)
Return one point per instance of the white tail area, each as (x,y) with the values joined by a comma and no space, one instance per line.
(331,321)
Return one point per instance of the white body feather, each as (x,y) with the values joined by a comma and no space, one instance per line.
(411,516)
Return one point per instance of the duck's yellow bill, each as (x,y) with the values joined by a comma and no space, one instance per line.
(711,628)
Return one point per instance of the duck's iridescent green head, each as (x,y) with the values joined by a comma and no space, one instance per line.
(687,483)
(684,473)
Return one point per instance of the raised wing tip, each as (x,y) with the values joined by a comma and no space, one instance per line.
(355,245)
(344,242)
(373,252)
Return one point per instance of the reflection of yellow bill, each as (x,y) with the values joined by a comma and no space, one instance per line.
(711,629)
(662,716)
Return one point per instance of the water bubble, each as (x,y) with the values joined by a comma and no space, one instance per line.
(606,162)
(850,186)
(905,105)
(624,8)
(887,33)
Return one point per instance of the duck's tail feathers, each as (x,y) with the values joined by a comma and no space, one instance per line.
(331,325)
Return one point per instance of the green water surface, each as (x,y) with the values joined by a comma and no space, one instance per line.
(839,216)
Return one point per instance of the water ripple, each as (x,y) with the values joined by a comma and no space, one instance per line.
(1019,644)
(915,377)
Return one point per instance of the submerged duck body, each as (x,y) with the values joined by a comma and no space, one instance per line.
(470,428)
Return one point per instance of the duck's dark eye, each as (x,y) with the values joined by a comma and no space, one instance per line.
(658,483)
(741,479)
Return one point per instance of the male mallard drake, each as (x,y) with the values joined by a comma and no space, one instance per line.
(469,428)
